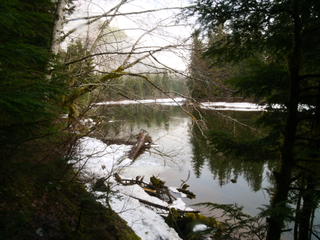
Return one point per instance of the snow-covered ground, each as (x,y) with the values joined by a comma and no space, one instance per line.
(97,160)
(243,106)
(237,106)
(163,101)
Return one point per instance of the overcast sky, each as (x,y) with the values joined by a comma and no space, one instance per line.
(168,32)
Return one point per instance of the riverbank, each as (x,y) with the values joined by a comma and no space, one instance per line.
(47,201)
(163,128)
(100,161)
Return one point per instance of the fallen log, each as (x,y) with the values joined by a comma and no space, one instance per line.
(189,194)
(162,207)
(149,188)
(142,139)
(138,180)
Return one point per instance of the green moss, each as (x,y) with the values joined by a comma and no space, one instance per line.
(157,182)
(184,223)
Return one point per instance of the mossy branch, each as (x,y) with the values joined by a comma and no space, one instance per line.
(69,100)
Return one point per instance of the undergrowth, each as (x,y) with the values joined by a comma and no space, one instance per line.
(38,200)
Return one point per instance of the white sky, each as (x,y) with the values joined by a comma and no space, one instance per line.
(168,33)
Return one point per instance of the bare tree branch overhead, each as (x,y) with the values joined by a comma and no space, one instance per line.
(109,47)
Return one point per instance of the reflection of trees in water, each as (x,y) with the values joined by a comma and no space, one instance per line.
(129,119)
(126,119)
(226,168)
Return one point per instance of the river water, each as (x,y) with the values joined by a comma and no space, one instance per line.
(182,153)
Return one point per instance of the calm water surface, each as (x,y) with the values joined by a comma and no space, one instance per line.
(182,152)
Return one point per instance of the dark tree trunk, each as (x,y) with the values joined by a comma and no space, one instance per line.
(306,211)
(296,224)
(142,140)
(283,178)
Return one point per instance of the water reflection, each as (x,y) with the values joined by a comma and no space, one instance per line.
(182,148)
(123,120)
(222,168)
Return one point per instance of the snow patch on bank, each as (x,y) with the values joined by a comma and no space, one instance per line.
(243,106)
(238,106)
(164,101)
(98,160)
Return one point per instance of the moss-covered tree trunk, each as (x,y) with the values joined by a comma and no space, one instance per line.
(69,100)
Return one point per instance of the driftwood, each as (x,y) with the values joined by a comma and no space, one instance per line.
(150,188)
(138,180)
(187,192)
(162,207)
(142,140)
(184,186)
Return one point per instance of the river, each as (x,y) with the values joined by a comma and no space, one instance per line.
(180,149)
(181,153)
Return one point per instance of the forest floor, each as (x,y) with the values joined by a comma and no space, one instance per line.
(44,200)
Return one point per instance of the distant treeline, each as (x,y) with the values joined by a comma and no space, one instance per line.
(161,85)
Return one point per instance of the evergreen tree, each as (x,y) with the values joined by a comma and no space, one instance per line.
(157,81)
(208,79)
(27,98)
(166,83)
(281,39)
(197,88)
(79,72)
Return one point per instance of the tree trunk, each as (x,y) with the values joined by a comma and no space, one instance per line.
(283,178)
(139,145)
(307,207)
(57,26)
(69,100)
(309,198)
(296,224)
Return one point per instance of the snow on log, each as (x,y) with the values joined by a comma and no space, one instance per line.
(162,207)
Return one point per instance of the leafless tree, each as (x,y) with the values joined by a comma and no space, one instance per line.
(121,39)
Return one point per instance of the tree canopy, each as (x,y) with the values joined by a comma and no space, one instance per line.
(43,74)
(279,40)
(27,94)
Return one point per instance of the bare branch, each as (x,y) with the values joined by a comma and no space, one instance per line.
(92,21)
(135,44)
(123,14)
(309,76)
(106,24)
(198,79)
